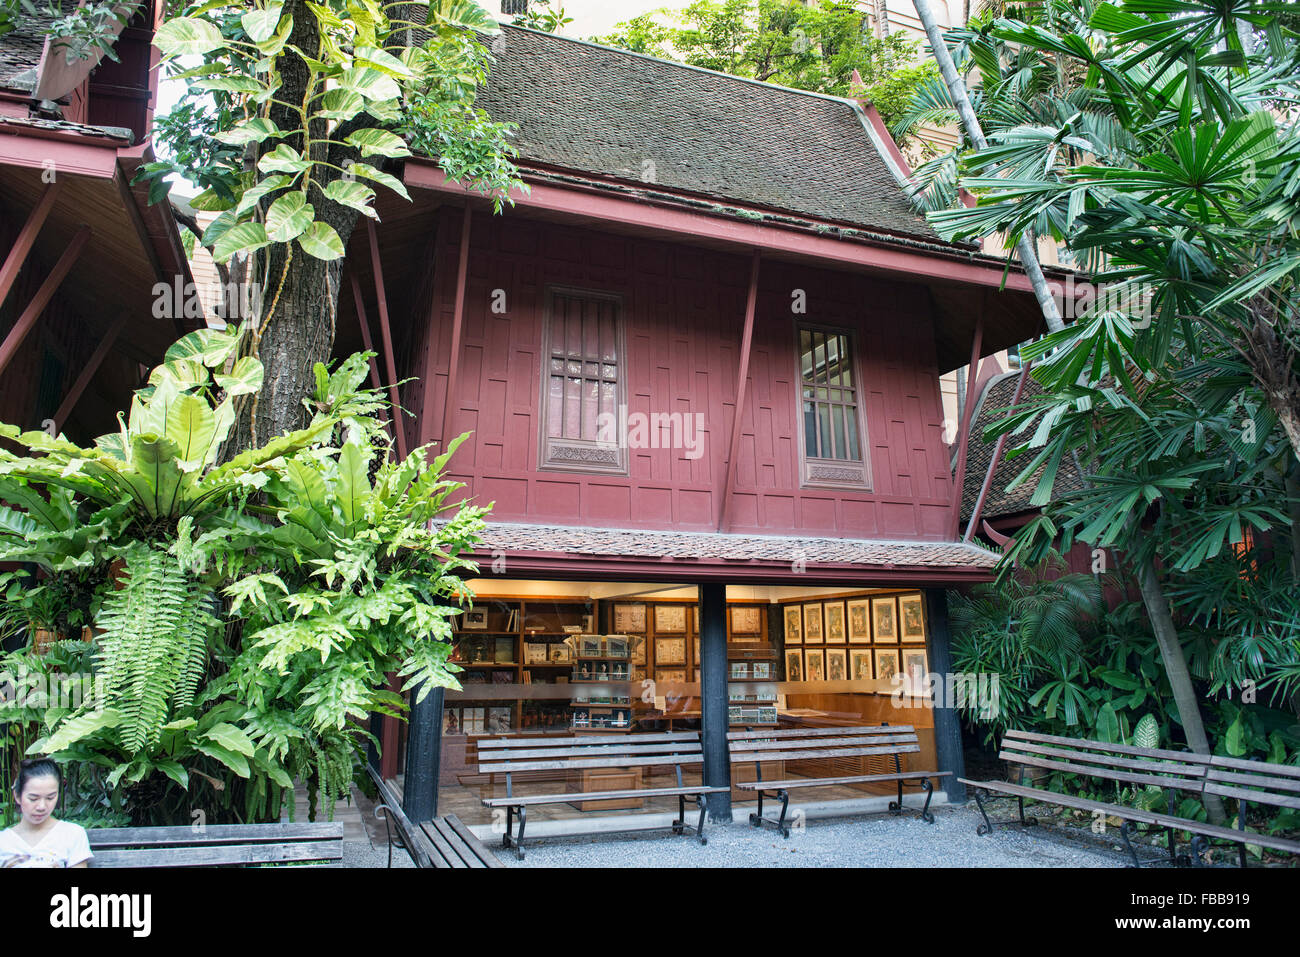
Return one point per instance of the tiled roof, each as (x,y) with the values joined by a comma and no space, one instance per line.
(717,546)
(997,397)
(14,124)
(642,120)
(20,51)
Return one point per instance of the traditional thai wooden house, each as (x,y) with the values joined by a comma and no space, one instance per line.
(82,253)
(700,361)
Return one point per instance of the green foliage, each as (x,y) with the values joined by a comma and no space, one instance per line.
(812,47)
(249,612)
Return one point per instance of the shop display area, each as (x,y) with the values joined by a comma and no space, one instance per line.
(568,659)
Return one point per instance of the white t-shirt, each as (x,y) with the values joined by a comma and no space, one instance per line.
(63,845)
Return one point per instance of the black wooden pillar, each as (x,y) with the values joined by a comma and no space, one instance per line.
(713,697)
(947,720)
(423,757)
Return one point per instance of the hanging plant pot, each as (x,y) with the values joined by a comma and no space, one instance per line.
(42,638)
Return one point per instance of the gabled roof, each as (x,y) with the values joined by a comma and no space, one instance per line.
(624,116)
(20,51)
(993,403)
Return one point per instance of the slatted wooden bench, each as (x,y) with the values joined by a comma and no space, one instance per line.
(513,755)
(821,744)
(444,842)
(1129,766)
(217,845)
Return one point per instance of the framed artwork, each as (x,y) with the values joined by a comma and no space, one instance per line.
(629,618)
(794,665)
(860,665)
(812,624)
(916,670)
(475,620)
(451,721)
(793,625)
(589,646)
(561,653)
(815,664)
(675,676)
(638,649)
(886,664)
(837,664)
(638,675)
(697,649)
(697,675)
(616,646)
(911,613)
(670,619)
(498,721)
(884,619)
(860,621)
(670,651)
(835,631)
(745,620)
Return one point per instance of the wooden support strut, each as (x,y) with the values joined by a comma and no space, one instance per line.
(954,523)
(457,329)
(26,237)
(993,463)
(88,371)
(390,364)
(364,323)
(42,298)
(742,387)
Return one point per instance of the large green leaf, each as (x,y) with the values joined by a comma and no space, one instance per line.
(244,378)
(74,729)
(288,217)
(184,37)
(321,241)
(192,426)
(355,195)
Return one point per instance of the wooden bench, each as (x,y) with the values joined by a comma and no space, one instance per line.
(217,845)
(582,753)
(1129,766)
(821,744)
(444,842)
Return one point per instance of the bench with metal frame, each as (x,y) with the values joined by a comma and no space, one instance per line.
(444,842)
(1172,772)
(512,755)
(806,744)
(217,845)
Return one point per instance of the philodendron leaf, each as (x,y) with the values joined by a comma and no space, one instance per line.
(83,725)
(244,378)
(211,347)
(250,131)
(182,37)
(352,194)
(244,238)
(283,159)
(379,143)
(320,240)
(379,176)
(260,24)
(288,217)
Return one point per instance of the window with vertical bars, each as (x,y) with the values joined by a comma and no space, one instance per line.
(829,400)
(583,385)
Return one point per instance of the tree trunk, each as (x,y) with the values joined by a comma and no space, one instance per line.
(1180,677)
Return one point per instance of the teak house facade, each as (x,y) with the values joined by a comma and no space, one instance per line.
(699,360)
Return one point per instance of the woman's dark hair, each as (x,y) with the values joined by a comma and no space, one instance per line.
(36,768)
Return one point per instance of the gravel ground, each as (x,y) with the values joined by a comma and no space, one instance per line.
(864,841)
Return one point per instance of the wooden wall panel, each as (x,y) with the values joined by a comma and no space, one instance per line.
(683,310)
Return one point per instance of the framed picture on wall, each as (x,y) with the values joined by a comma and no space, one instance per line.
(814,664)
(884,619)
(837,664)
(670,651)
(860,621)
(916,670)
(793,625)
(860,665)
(794,665)
(745,620)
(886,664)
(475,620)
(835,631)
(670,619)
(812,624)
(637,649)
(629,618)
(676,676)
(911,614)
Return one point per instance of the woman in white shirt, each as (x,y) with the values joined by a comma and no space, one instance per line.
(38,840)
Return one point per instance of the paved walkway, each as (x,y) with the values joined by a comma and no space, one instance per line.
(864,841)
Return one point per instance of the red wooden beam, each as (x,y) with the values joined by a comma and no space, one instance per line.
(457,329)
(42,298)
(88,372)
(26,237)
(389,363)
(954,523)
(364,323)
(993,463)
(742,387)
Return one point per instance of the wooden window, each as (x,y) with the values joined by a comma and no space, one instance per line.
(583,387)
(833,447)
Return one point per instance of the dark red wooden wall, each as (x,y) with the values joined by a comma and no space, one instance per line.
(684,310)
